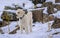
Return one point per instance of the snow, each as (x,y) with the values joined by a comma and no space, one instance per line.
(14,11)
(57,14)
(39,5)
(35,9)
(57,3)
(11,26)
(45,10)
(28,5)
(53,1)
(39,31)
(55,9)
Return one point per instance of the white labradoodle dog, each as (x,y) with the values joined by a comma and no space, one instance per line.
(25,20)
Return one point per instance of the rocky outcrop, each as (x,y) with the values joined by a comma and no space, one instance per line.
(37,15)
(56,23)
(9,16)
(57,1)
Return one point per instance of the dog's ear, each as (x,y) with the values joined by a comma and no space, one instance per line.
(26,11)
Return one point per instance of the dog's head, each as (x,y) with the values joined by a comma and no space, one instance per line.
(20,12)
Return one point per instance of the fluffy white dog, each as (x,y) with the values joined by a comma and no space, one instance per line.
(25,20)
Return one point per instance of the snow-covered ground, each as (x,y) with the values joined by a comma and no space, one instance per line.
(38,31)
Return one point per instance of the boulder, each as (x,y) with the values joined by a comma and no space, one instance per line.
(45,18)
(38,1)
(51,17)
(57,6)
(3,23)
(1,31)
(56,23)
(37,15)
(9,16)
(50,9)
(14,31)
(45,4)
(57,1)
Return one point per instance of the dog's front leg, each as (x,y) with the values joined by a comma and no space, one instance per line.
(21,26)
(26,24)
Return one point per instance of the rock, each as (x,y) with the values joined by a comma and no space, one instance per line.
(45,17)
(33,25)
(14,31)
(51,17)
(57,6)
(1,31)
(38,1)
(9,16)
(46,4)
(56,23)
(12,8)
(37,15)
(50,9)
(56,33)
(57,1)
(3,23)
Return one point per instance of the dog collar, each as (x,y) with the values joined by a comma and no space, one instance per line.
(22,17)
